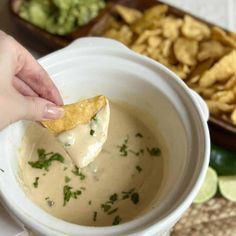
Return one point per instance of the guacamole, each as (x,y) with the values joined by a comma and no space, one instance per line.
(60,16)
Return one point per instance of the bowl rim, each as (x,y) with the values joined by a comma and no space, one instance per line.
(187,197)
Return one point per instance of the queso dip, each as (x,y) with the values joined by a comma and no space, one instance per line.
(122,183)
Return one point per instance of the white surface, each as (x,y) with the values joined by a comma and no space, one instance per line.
(221,12)
(133,79)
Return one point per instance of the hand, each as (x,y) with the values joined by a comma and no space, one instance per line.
(26,91)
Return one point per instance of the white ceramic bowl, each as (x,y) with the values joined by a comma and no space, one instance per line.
(91,66)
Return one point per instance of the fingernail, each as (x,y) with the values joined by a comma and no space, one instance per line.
(53,112)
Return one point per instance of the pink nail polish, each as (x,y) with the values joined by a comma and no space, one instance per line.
(53,112)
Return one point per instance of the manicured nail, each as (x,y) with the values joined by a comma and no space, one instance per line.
(53,112)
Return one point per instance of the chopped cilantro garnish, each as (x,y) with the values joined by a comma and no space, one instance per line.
(124,148)
(94,118)
(36,182)
(154,151)
(108,204)
(138,135)
(68,194)
(131,194)
(138,168)
(112,211)
(67,179)
(77,172)
(92,132)
(114,197)
(45,159)
(95,216)
(116,220)
(135,198)
(127,193)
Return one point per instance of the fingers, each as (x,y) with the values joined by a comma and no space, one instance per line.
(28,69)
(23,88)
(39,109)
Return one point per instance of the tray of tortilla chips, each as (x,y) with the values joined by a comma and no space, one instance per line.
(200,53)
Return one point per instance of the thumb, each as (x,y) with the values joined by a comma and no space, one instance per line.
(39,109)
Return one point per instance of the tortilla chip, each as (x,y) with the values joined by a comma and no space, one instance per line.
(221,71)
(154,41)
(129,15)
(146,34)
(171,27)
(201,68)
(211,49)
(186,51)
(149,17)
(221,36)
(124,34)
(76,114)
(195,29)
(233,116)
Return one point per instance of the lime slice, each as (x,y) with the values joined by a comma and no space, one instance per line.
(209,187)
(227,186)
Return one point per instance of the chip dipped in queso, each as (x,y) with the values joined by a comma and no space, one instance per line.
(120,184)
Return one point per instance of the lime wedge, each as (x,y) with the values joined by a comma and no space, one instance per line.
(209,187)
(227,186)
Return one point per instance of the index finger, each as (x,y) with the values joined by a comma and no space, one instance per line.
(32,73)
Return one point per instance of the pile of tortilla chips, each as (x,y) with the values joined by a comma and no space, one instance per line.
(203,56)
(75,114)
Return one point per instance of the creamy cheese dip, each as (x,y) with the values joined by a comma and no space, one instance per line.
(85,142)
(122,183)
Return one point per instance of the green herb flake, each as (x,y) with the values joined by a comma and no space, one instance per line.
(132,195)
(94,118)
(45,159)
(65,168)
(112,211)
(95,216)
(67,179)
(139,135)
(133,152)
(127,194)
(138,168)
(116,220)
(2,170)
(92,132)
(90,202)
(68,194)
(135,198)
(124,148)
(77,172)
(108,204)
(113,197)
(154,151)
(36,182)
